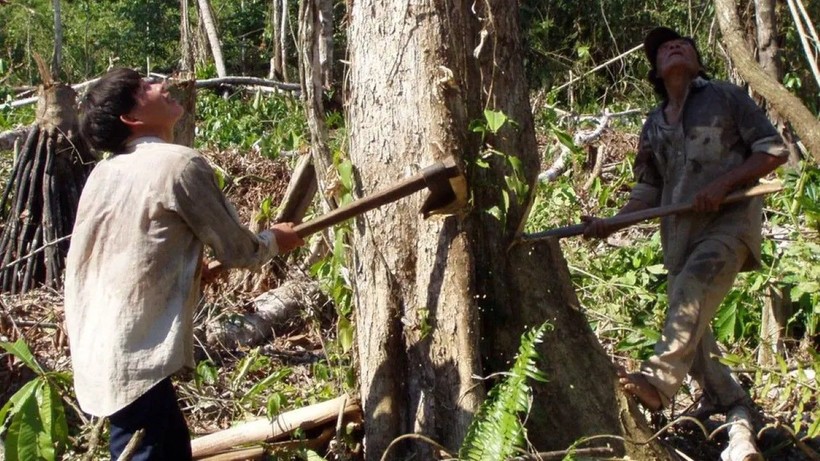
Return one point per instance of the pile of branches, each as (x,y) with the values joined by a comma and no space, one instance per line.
(40,200)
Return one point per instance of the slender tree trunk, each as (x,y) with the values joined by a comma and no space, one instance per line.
(325,8)
(185,39)
(769,57)
(57,59)
(276,43)
(768,51)
(442,301)
(283,40)
(789,106)
(310,75)
(213,36)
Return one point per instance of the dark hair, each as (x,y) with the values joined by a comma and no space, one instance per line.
(657,82)
(100,109)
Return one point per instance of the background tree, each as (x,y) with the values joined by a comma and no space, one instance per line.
(804,123)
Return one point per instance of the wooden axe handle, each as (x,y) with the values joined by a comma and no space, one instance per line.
(436,174)
(628,219)
(436,177)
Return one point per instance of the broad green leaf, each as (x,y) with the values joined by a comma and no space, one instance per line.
(726,322)
(495,120)
(20,350)
(22,439)
(346,174)
(346,331)
(54,435)
(16,400)
(656,269)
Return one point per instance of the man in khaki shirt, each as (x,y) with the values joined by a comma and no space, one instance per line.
(135,262)
(705,140)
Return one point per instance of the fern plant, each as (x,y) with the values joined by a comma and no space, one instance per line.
(497,431)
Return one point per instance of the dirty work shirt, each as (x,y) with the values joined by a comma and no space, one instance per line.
(133,268)
(720,128)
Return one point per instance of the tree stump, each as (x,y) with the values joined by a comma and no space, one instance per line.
(39,202)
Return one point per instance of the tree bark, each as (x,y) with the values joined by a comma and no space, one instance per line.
(213,36)
(789,106)
(186,49)
(310,76)
(441,301)
(769,57)
(325,8)
(57,59)
(276,44)
(768,51)
(283,40)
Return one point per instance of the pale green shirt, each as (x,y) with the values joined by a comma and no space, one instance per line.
(133,268)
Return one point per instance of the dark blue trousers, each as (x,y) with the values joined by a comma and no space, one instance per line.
(158,413)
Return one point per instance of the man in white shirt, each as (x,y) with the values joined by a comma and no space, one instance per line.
(135,262)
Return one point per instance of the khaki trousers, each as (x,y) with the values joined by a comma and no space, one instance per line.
(687,345)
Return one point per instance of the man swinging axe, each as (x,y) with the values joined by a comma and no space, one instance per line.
(704,140)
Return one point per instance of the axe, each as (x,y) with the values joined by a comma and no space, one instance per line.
(628,219)
(447,190)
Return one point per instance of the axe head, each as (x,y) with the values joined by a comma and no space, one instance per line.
(447,186)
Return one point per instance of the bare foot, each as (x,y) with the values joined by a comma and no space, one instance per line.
(637,385)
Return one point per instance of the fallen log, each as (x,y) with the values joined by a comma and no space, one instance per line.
(742,445)
(266,430)
(271,309)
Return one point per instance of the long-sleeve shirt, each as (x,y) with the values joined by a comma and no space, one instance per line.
(719,129)
(133,268)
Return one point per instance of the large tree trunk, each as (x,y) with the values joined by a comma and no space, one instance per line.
(213,36)
(439,302)
(789,106)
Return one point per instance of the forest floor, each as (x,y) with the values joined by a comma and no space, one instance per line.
(300,344)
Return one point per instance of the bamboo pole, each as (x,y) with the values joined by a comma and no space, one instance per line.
(264,429)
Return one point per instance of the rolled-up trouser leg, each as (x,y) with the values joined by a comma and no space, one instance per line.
(687,343)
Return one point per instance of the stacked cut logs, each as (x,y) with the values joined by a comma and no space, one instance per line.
(40,200)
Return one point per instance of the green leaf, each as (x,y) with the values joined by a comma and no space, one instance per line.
(310,455)
(495,120)
(275,403)
(22,439)
(20,350)
(206,373)
(726,322)
(478,126)
(346,174)
(345,333)
(47,411)
(656,269)
(15,402)
(496,213)
(266,383)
